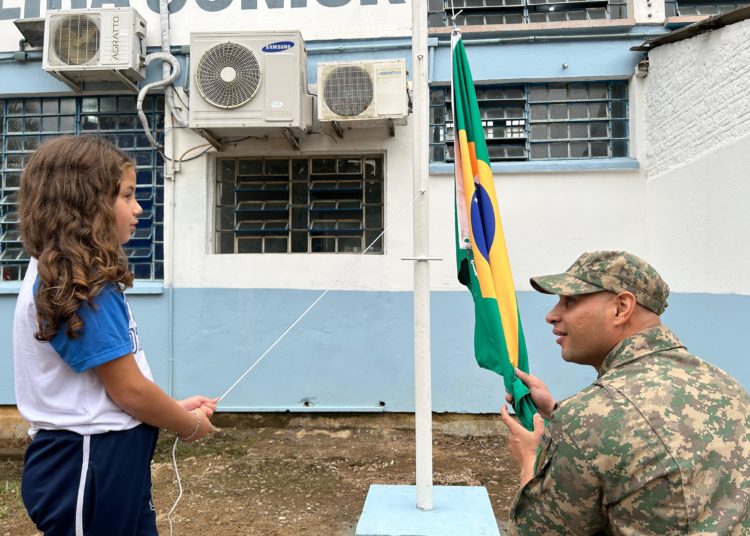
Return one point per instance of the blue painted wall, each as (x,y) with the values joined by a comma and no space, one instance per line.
(7,304)
(354,350)
(544,61)
(605,59)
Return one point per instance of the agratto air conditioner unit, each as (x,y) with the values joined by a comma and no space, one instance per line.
(87,45)
(249,80)
(359,91)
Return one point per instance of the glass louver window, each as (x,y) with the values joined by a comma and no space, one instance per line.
(322,204)
(539,121)
(26,123)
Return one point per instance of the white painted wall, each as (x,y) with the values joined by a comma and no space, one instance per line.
(548,218)
(316,19)
(198,266)
(697,96)
(699,227)
(647,11)
(698,130)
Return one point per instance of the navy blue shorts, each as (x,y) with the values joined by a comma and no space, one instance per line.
(97,485)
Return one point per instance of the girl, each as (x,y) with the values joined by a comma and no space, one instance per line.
(81,377)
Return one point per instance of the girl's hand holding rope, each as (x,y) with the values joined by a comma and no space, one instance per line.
(194,402)
(203,408)
(202,425)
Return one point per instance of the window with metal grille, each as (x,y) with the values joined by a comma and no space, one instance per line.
(321,204)
(678,8)
(540,121)
(483,12)
(26,123)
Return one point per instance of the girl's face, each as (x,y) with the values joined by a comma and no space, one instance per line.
(126,207)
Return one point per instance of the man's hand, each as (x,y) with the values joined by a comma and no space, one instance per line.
(540,395)
(522,443)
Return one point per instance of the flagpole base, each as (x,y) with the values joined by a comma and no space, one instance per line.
(392,511)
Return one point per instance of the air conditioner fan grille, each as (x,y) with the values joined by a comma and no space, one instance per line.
(76,39)
(228,75)
(348,90)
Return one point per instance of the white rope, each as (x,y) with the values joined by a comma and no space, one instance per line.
(179,484)
(277,341)
(454,15)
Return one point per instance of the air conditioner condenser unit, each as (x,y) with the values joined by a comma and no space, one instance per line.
(249,80)
(363,91)
(83,45)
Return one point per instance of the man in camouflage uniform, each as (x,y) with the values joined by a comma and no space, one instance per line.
(658,444)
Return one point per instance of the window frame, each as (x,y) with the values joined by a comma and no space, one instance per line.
(502,12)
(674,9)
(319,210)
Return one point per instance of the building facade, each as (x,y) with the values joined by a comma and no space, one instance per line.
(593,145)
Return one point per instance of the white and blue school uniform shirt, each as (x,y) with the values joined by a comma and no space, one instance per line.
(55,382)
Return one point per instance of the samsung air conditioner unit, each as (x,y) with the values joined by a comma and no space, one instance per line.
(249,80)
(95,45)
(363,91)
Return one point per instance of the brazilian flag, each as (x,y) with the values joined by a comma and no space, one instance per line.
(481,254)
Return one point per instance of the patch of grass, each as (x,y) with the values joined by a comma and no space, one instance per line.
(217,444)
(10,498)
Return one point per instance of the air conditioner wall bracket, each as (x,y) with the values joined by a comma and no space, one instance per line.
(292,138)
(337,129)
(125,80)
(78,88)
(210,137)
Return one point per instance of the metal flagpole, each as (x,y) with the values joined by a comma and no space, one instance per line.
(422,372)
(462,509)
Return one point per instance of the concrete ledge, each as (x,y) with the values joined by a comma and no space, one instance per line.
(453,424)
(549,166)
(457,510)
(12,425)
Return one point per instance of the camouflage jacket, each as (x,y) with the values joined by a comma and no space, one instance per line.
(658,444)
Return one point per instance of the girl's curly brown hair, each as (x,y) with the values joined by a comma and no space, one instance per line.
(66,211)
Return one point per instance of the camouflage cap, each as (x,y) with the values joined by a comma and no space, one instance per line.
(615,271)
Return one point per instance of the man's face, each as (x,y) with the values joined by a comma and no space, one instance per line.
(583,327)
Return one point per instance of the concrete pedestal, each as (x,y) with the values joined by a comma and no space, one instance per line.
(457,511)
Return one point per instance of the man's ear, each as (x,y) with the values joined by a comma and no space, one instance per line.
(625,306)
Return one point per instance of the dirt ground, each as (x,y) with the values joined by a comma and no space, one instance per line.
(291,474)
